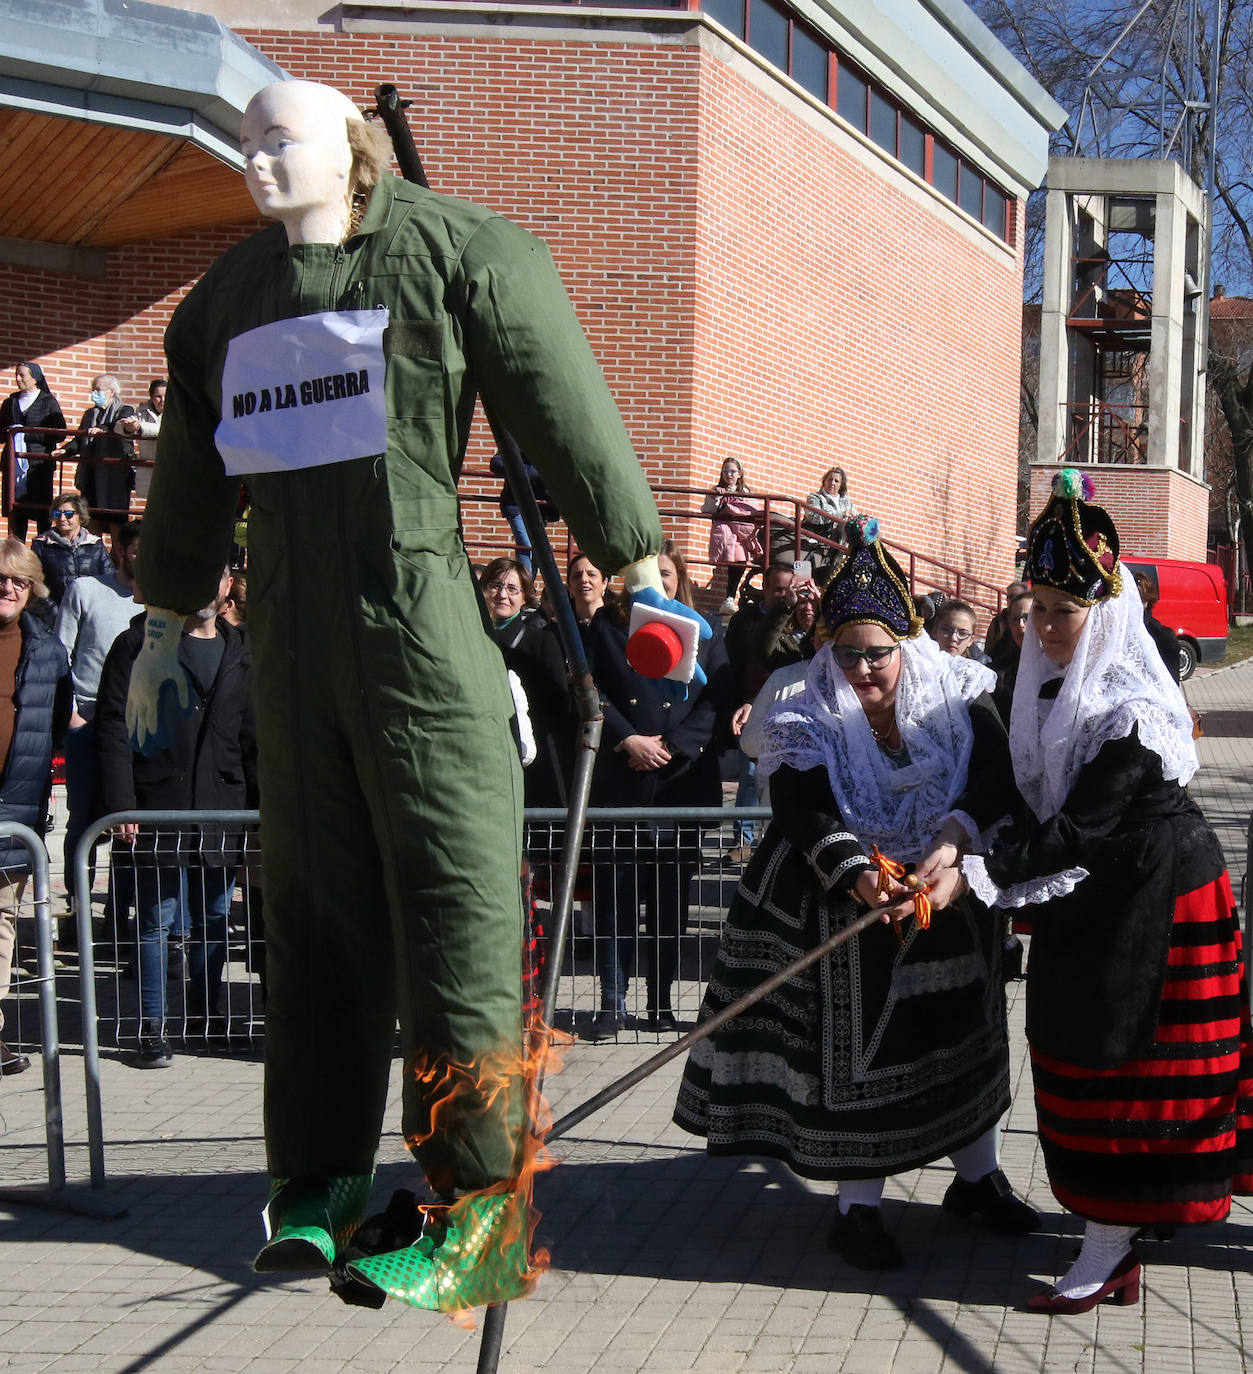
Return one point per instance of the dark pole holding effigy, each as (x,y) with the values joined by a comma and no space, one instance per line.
(390,110)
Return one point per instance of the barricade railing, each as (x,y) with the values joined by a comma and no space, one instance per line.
(12,504)
(653,888)
(26,898)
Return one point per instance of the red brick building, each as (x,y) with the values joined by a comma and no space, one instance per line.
(791,234)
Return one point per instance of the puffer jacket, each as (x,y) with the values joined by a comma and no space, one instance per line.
(63,562)
(44,699)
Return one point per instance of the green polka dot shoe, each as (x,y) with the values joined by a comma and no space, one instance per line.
(308,1221)
(481,1258)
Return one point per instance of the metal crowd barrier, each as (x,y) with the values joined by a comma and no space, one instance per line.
(653,888)
(32,916)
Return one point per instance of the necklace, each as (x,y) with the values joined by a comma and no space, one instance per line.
(882,736)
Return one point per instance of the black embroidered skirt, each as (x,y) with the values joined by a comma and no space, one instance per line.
(880,1058)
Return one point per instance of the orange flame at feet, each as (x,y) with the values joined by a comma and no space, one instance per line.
(499,1085)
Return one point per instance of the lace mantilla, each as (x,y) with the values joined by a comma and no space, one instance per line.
(1115,682)
(899,809)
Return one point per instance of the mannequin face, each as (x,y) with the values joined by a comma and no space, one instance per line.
(297,159)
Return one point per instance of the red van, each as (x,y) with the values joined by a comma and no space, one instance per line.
(1192,601)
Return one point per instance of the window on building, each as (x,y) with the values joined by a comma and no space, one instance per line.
(768,31)
(970,192)
(913,145)
(996,211)
(851,92)
(809,62)
(944,170)
(882,121)
(728,13)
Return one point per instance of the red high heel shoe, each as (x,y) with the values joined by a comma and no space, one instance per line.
(1121,1288)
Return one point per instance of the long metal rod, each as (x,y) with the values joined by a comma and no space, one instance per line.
(707,1028)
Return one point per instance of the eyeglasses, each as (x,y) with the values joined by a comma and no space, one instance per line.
(953,633)
(67,514)
(19,584)
(877,656)
(509,588)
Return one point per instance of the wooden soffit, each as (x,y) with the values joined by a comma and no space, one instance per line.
(95,186)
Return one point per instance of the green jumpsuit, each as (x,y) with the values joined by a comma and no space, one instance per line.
(390,785)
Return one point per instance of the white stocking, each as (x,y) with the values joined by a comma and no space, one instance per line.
(978,1159)
(1103,1247)
(860,1192)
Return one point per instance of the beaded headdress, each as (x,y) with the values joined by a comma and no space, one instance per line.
(1073,545)
(870,588)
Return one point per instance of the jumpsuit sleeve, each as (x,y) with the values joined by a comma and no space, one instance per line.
(537,375)
(806,812)
(189,520)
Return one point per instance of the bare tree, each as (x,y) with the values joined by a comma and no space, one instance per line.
(1149,95)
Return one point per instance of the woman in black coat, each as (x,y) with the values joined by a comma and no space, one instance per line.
(105,474)
(33,405)
(533,652)
(655,751)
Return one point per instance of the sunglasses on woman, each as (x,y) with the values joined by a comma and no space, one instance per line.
(877,656)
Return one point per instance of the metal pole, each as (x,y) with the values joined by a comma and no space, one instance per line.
(707,1028)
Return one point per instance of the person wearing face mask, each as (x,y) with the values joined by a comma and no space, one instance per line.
(892,1053)
(1137,1003)
(104,474)
(383,708)
(34,405)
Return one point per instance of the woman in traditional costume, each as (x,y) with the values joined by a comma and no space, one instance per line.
(1137,1014)
(891,1052)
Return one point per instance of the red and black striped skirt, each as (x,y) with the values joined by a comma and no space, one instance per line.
(1167,1137)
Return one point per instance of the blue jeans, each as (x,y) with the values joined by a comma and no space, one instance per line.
(157,893)
(521,541)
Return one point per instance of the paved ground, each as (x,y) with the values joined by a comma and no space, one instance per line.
(663,1260)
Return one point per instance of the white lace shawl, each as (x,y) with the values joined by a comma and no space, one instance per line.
(899,809)
(1115,681)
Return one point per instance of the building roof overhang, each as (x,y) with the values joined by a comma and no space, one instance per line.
(119,122)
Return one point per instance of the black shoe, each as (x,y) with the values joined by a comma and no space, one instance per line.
(662,1020)
(993,1201)
(606,1023)
(859,1238)
(154,1048)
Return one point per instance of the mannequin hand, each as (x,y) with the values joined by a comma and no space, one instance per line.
(650,596)
(158,682)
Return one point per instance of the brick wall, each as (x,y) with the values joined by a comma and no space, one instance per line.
(1158,512)
(753,280)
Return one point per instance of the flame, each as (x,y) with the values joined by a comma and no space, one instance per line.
(455,1093)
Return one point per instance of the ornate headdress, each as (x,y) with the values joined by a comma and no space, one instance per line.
(870,588)
(1073,545)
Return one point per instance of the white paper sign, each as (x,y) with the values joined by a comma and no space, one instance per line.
(304,392)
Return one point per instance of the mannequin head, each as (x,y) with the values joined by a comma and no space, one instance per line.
(306,150)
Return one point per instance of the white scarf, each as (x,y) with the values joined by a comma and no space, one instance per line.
(1116,681)
(899,809)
